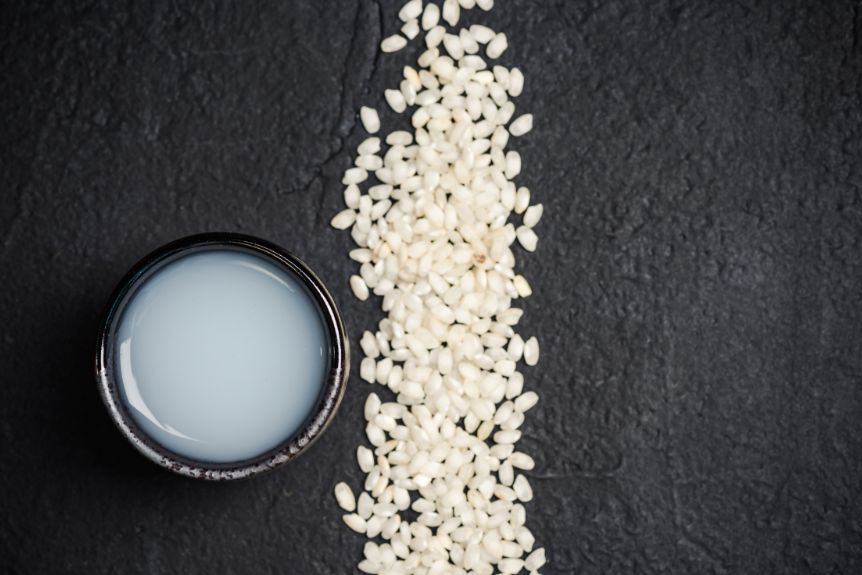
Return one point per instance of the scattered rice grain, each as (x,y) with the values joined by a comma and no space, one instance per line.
(345,498)
(411,29)
(410,10)
(531,351)
(370,120)
(521,125)
(393,43)
(431,16)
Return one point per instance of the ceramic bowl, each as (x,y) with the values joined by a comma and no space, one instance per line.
(291,448)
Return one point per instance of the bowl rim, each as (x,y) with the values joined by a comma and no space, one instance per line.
(335,382)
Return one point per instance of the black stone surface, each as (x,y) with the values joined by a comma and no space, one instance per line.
(698,283)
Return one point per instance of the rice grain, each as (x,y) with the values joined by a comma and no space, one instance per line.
(410,10)
(521,125)
(370,121)
(497,46)
(345,498)
(410,29)
(393,43)
(355,522)
(451,12)
(531,351)
(431,16)
(359,287)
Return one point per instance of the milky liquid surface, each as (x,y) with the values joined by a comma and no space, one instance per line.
(221,355)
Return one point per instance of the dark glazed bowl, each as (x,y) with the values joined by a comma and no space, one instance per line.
(333,386)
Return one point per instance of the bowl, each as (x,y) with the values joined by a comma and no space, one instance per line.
(115,390)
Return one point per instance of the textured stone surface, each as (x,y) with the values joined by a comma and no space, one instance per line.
(698,283)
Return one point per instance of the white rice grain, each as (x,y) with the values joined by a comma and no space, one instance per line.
(396,101)
(365,504)
(431,16)
(370,121)
(521,125)
(359,287)
(522,286)
(535,560)
(522,488)
(531,351)
(481,33)
(432,40)
(451,11)
(345,498)
(522,200)
(410,29)
(532,215)
(366,369)
(526,401)
(393,43)
(344,219)
(497,46)
(510,565)
(520,460)
(410,10)
(354,176)
(516,82)
(527,238)
(355,522)
(364,458)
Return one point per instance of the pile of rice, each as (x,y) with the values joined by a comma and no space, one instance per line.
(444,487)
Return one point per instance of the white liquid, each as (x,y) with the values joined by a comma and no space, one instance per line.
(221,355)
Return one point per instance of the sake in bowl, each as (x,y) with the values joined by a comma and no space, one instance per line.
(221,356)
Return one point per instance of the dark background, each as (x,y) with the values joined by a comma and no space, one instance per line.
(698,282)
